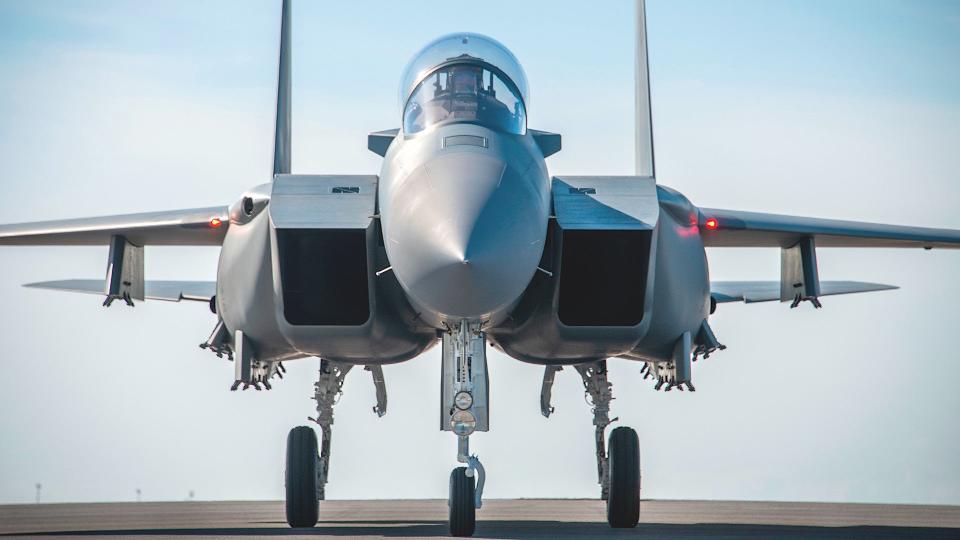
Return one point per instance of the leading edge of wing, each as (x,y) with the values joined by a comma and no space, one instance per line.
(190,227)
(754,229)
(169,291)
(768,291)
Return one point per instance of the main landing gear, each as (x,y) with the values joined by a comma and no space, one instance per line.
(464,410)
(306,472)
(618,469)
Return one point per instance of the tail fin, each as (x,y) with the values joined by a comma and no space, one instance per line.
(281,140)
(643,134)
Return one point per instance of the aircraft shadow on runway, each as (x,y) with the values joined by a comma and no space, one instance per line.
(535,529)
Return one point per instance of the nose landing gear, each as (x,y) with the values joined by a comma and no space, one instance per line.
(466,491)
(463,411)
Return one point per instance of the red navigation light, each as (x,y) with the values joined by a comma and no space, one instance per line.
(712,224)
(215,223)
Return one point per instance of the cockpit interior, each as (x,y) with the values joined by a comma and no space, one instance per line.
(465,93)
(464,78)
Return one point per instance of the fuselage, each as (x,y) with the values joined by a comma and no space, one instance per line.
(463,224)
(464,211)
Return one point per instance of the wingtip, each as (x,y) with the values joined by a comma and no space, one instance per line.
(885,287)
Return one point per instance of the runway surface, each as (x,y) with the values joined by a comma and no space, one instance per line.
(508,519)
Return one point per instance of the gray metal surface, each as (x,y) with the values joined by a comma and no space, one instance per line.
(755,229)
(500,518)
(170,228)
(799,276)
(302,201)
(768,291)
(605,202)
(549,143)
(464,226)
(171,291)
(246,299)
(643,108)
(379,142)
(282,139)
(476,380)
(249,288)
(125,277)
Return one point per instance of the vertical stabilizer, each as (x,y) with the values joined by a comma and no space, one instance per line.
(281,138)
(643,133)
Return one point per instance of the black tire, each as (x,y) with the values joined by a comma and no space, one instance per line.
(301,477)
(463,514)
(623,501)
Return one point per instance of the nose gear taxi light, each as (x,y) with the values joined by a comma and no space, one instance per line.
(463,423)
(463,400)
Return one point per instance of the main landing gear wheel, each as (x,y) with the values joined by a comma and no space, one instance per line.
(463,513)
(301,477)
(623,501)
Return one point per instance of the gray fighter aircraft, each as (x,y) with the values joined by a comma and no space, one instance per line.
(465,239)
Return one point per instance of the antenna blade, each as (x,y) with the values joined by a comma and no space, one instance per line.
(643,130)
(281,138)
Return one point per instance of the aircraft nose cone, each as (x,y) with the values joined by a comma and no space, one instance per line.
(465,235)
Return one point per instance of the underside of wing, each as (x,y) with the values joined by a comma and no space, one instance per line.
(768,291)
(170,291)
(193,227)
(732,228)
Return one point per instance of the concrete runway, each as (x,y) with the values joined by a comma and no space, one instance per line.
(509,519)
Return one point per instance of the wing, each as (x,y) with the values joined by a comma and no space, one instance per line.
(193,227)
(734,228)
(170,291)
(769,291)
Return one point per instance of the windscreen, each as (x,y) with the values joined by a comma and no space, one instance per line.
(465,93)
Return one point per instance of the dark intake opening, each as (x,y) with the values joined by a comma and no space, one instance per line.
(603,277)
(323,273)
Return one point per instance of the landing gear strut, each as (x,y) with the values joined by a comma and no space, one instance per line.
(307,471)
(463,411)
(328,391)
(618,471)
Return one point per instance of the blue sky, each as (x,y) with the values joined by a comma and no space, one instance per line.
(837,109)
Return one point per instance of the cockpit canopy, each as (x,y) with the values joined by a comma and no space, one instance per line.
(464,78)
(464,93)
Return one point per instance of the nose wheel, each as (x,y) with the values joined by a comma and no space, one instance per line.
(463,510)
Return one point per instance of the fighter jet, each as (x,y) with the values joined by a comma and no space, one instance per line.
(464,239)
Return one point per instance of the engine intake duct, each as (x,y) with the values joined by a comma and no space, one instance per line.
(603,277)
(323,274)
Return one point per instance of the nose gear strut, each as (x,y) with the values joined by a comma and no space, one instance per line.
(463,410)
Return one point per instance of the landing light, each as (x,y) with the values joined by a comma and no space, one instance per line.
(463,400)
(463,423)
(712,224)
(215,223)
